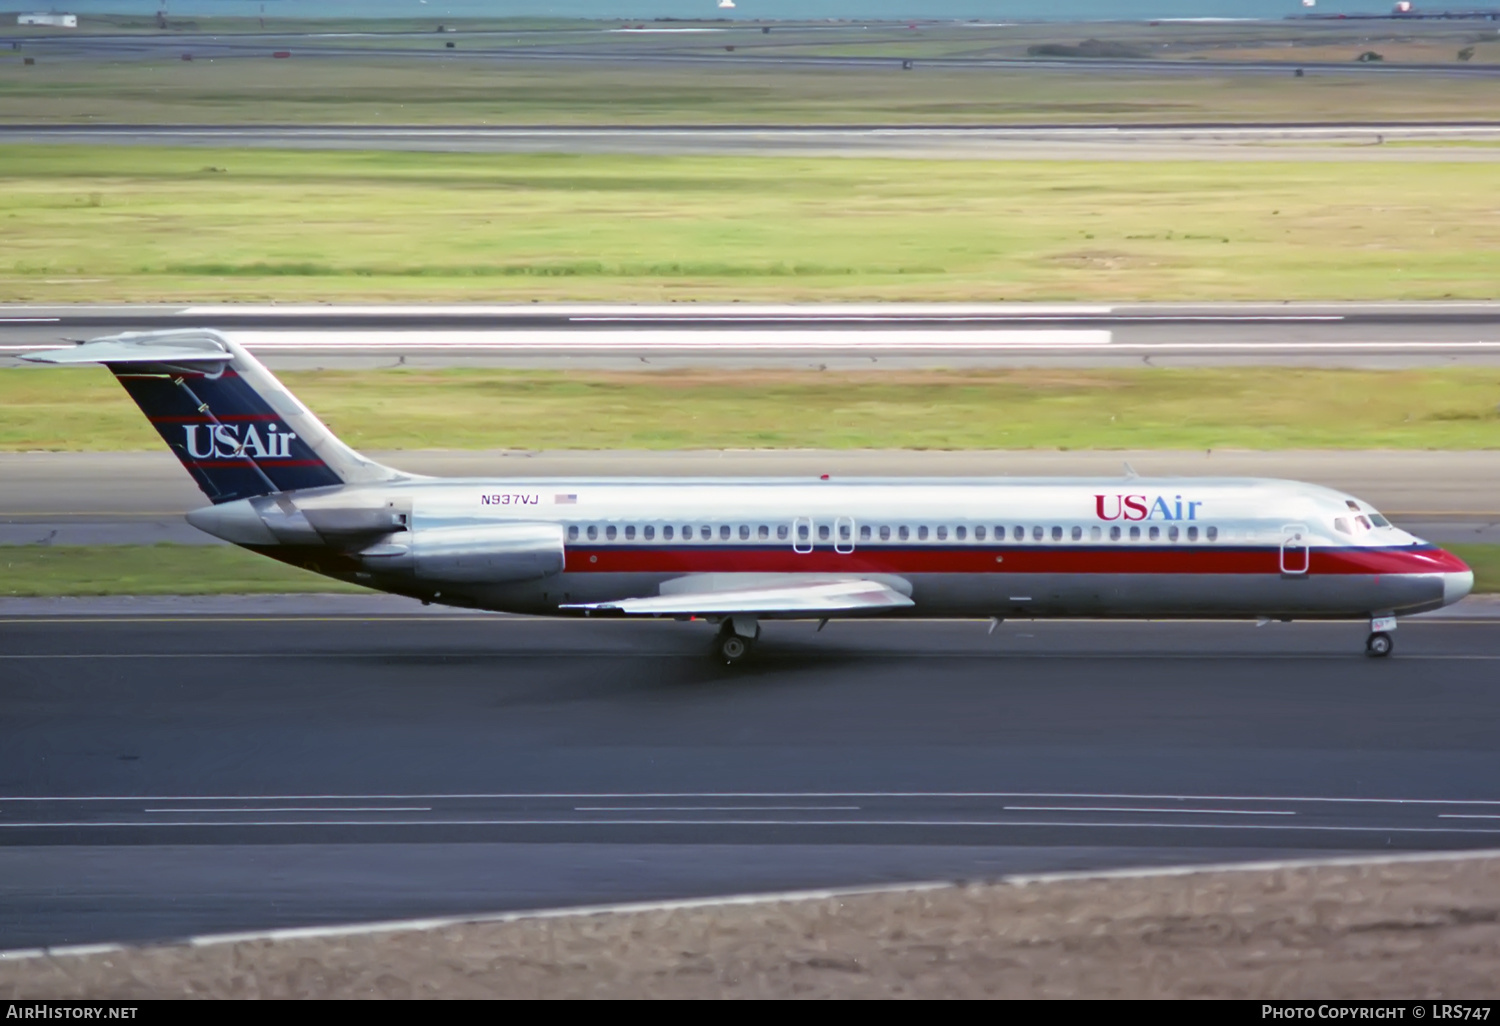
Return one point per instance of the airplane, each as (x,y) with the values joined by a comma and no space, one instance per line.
(736,552)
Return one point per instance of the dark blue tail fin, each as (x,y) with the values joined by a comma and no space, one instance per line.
(228,419)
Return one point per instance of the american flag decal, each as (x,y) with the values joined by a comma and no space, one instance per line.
(570,499)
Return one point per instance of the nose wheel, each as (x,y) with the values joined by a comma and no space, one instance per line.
(1378,645)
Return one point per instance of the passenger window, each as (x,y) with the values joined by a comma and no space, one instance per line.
(781,531)
(649,532)
(593,532)
(1037,533)
(1095,533)
(1172,533)
(822,532)
(1057,534)
(942,532)
(922,533)
(844,532)
(723,532)
(1077,534)
(979,533)
(864,532)
(1154,533)
(666,532)
(572,532)
(764,533)
(802,532)
(1192,534)
(960,532)
(610,532)
(706,533)
(903,532)
(1018,533)
(744,532)
(1114,533)
(1213,534)
(885,532)
(1135,534)
(630,532)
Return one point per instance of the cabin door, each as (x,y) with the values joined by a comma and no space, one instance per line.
(1294,554)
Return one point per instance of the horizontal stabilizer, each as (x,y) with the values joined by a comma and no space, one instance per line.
(806,598)
(193,347)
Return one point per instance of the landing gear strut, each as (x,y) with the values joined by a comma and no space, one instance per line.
(736,639)
(1379,644)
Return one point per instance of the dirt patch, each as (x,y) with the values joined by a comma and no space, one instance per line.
(1100,260)
(1394,929)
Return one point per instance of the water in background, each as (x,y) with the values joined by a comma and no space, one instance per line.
(745,10)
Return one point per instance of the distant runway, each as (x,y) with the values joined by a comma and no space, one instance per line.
(1276,142)
(820,336)
(741,46)
(164,775)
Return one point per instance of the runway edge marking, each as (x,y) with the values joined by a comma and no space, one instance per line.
(625,908)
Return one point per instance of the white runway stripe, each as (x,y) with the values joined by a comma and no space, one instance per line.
(962,824)
(750,796)
(658,340)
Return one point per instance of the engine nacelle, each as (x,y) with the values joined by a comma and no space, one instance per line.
(472,553)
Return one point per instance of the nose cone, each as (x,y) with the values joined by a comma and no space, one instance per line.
(1457,584)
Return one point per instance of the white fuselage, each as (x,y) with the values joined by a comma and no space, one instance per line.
(1132,547)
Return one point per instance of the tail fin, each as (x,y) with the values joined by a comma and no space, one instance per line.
(230,422)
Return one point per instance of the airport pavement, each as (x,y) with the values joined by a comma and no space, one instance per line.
(1346,142)
(609,45)
(824,336)
(139,497)
(165,775)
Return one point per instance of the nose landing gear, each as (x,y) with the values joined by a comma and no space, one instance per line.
(1379,644)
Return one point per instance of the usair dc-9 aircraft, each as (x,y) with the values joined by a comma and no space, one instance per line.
(736,552)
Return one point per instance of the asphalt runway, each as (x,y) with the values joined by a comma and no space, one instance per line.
(163,775)
(139,498)
(838,336)
(652,48)
(1280,142)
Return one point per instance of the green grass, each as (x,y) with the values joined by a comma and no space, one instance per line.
(146,224)
(151,570)
(1484,560)
(382,90)
(211,569)
(1244,408)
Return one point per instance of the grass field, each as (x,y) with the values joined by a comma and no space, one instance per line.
(1240,408)
(151,570)
(367,90)
(145,224)
(214,570)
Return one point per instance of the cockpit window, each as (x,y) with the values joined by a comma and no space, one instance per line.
(1341,525)
(1362,522)
(1379,521)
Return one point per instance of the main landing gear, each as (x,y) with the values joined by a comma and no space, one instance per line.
(736,639)
(1379,644)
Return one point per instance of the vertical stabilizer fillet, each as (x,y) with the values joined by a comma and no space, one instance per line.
(230,422)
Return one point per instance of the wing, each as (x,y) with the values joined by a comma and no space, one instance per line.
(805,598)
